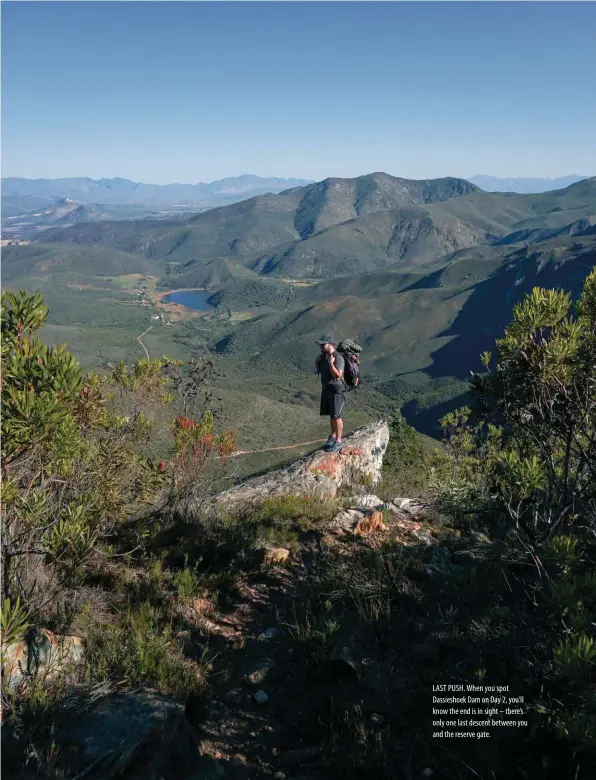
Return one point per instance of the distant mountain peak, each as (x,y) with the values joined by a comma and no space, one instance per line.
(526,185)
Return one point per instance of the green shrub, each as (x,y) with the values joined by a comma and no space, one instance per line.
(136,648)
(187,583)
(73,463)
(531,461)
(406,461)
(543,393)
(14,619)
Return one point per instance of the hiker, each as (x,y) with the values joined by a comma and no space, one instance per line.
(330,365)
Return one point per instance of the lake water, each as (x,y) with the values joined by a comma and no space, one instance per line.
(192,299)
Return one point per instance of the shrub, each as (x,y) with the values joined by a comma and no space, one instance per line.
(543,393)
(532,461)
(73,462)
(406,461)
(77,487)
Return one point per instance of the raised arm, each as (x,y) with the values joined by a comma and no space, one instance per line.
(336,372)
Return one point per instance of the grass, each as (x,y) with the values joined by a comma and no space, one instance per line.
(213,544)
(374,583)
(315,637)
(187,583)
(356,747)
(298,513)
(137,648)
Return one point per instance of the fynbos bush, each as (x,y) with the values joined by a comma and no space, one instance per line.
(74,468)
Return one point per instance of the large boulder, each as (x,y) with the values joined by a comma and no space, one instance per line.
(141,734)
(320,475)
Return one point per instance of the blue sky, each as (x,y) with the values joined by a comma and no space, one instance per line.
(165,91)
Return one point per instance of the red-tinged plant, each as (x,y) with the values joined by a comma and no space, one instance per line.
(196,444)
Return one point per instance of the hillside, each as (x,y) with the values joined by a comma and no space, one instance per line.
(344,226)
(20,261)
(405,320)
(422,274)
(177,621)
(266,223)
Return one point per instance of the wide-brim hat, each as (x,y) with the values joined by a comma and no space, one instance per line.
(326,339)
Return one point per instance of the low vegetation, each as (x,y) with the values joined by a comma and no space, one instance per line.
(506,595)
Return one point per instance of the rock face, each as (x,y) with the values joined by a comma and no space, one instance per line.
(40,653)
(319,475)
(367,502)
(140,733)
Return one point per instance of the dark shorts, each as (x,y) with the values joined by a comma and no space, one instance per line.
(332,404)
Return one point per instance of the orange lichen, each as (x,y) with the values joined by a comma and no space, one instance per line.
(328,466)
(369,524)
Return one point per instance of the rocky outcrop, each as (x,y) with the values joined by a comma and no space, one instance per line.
(275,555)
(40,653)
(319,475)
(143,734)
(364,515)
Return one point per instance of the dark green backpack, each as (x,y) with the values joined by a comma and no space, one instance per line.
(351,352)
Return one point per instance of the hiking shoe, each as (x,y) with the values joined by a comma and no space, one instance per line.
(335,447)
(330,442)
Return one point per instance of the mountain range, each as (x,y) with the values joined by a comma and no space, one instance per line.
(30,205)
(20,196)
(342,227)
(525,185)
(423,274)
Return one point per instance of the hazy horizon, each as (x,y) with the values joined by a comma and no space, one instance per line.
(195,92)
(292,178)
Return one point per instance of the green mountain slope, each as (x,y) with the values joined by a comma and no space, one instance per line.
(423,274)
(405,237)
(348,226)
(437,323)
(247,229)
(33,259)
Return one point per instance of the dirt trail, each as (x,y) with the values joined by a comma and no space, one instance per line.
(277,449)
(141,343)
(283,736)
(253,740)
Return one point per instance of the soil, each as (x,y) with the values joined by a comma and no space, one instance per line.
(283,734)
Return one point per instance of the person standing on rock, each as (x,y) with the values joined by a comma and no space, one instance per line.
(330,365)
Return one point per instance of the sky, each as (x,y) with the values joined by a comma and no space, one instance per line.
(164,92)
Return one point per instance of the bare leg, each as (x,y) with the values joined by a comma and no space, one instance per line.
(333,427)
(339,429)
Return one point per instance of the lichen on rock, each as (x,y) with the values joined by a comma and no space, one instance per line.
(320,475)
